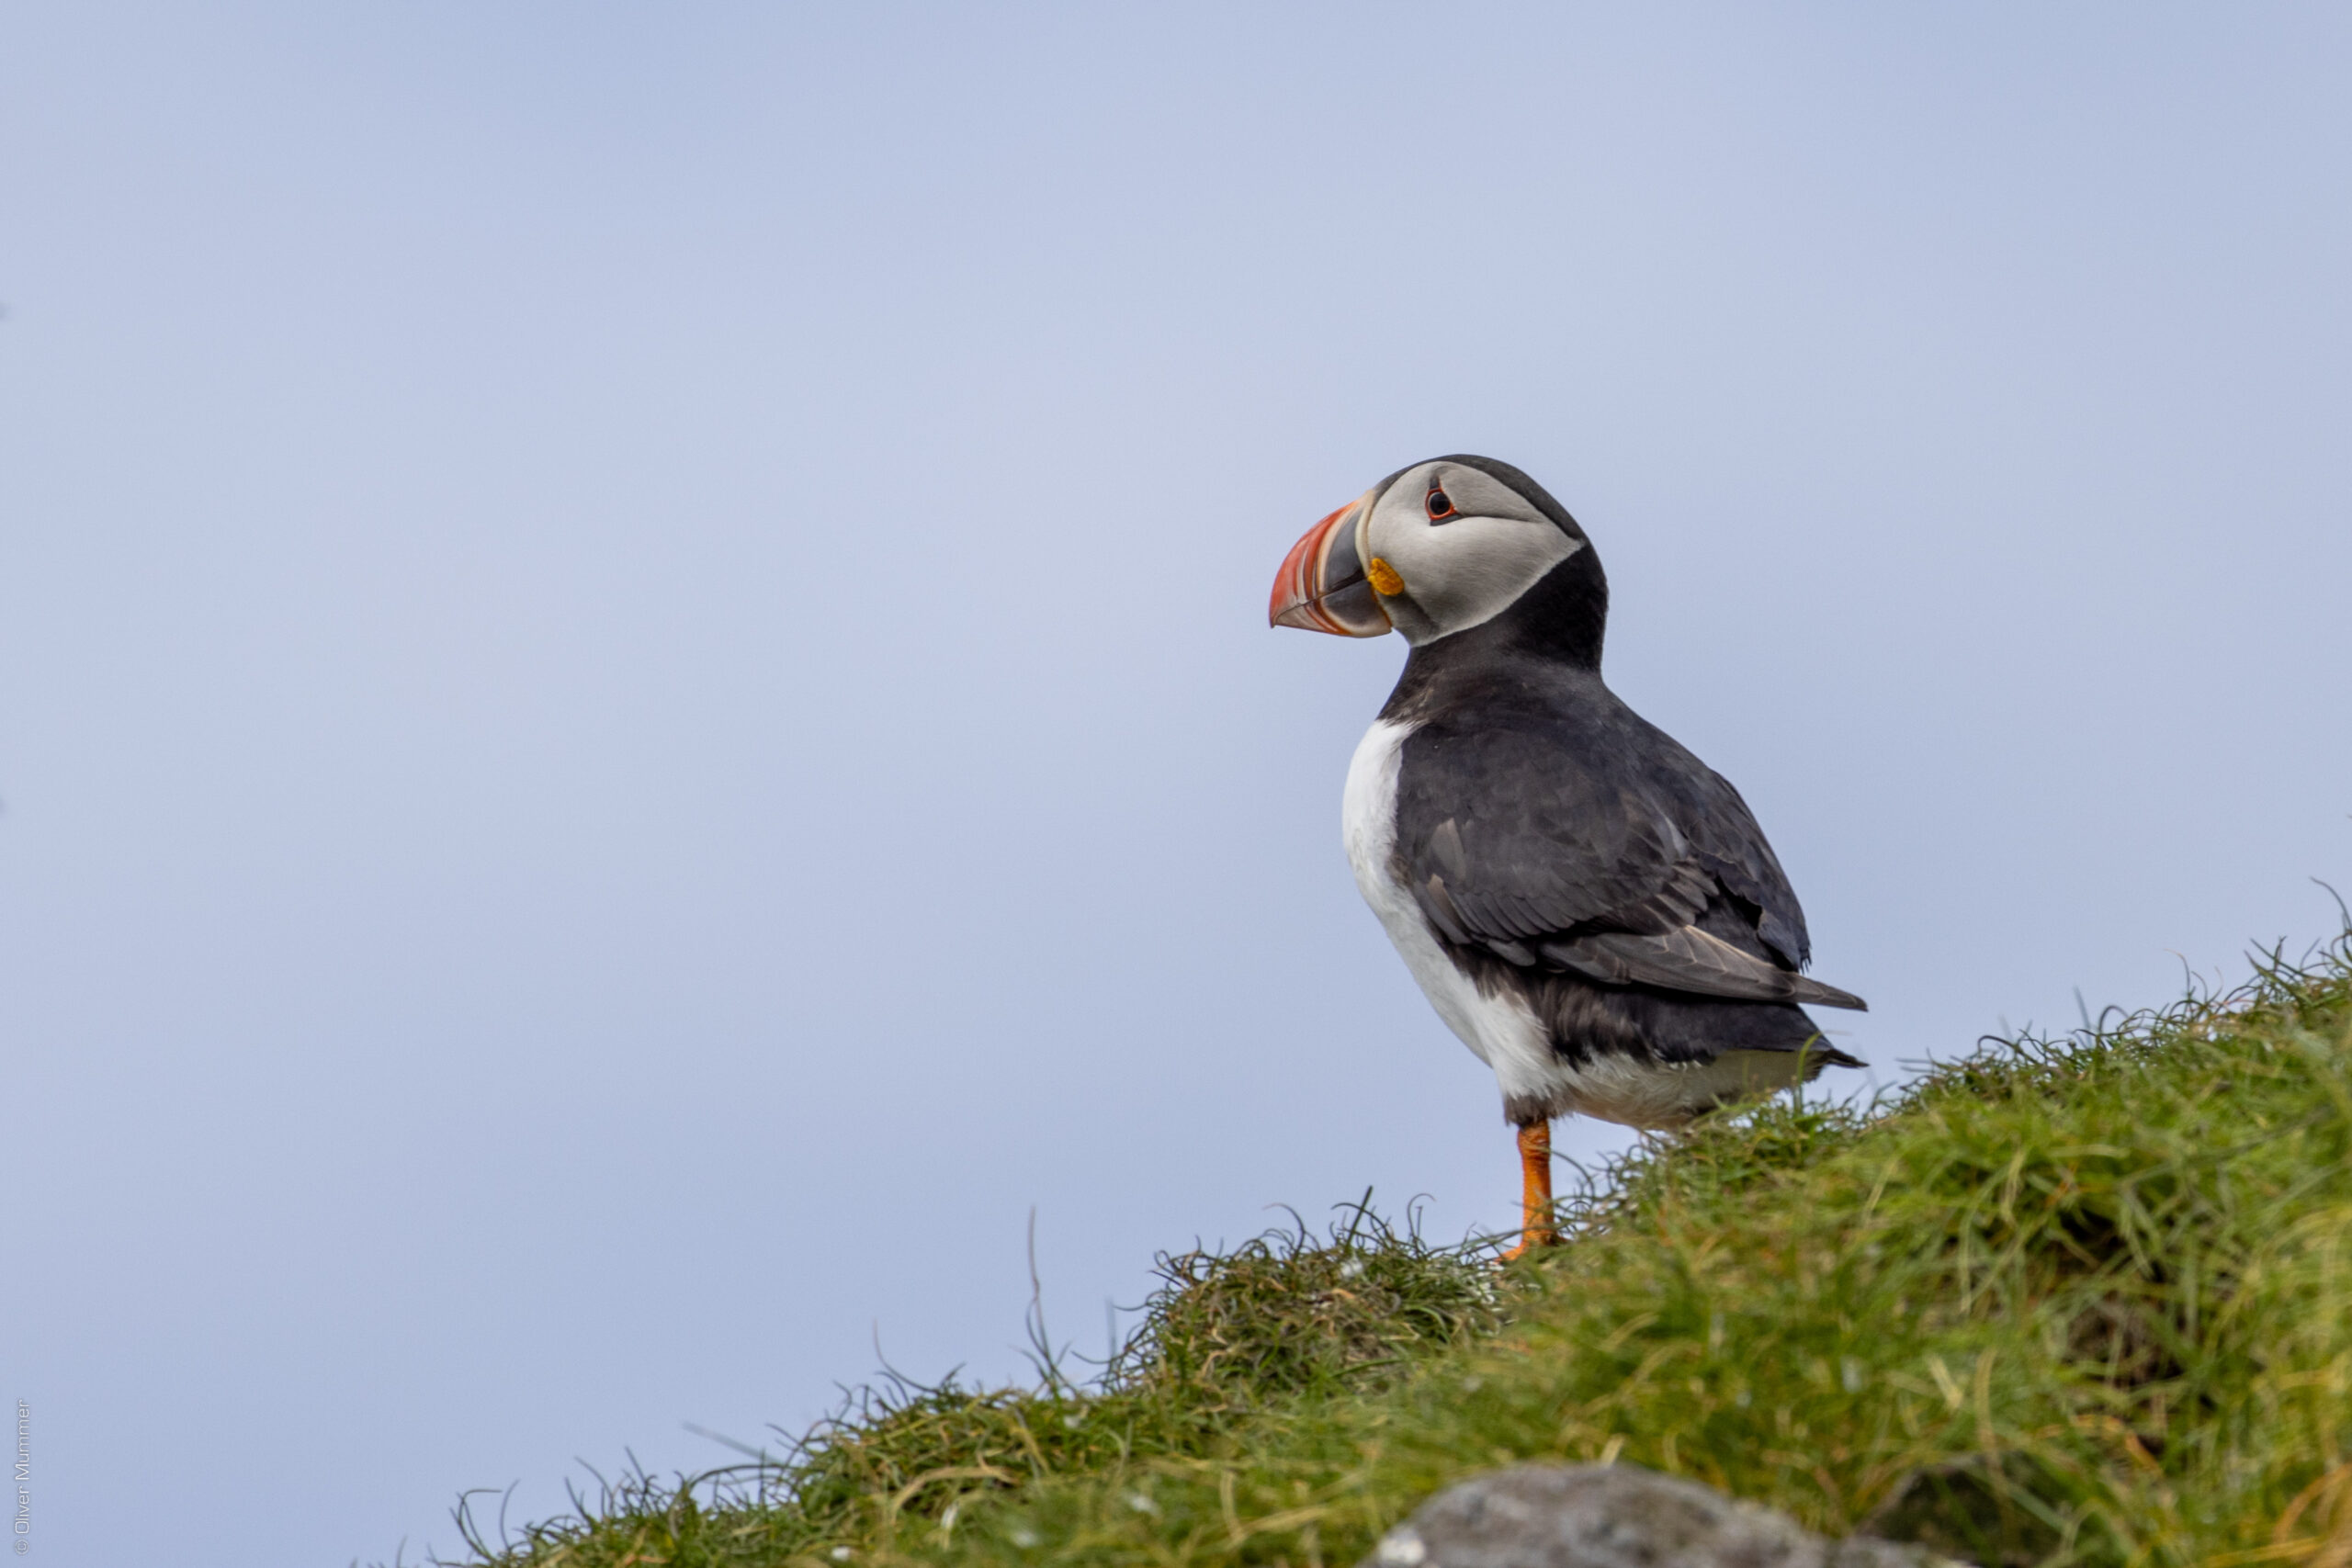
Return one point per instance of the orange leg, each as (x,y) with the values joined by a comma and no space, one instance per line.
(1535,1190)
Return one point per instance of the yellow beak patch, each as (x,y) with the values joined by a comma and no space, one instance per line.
(1385,580)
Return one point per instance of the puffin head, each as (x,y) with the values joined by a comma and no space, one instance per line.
(1441,547)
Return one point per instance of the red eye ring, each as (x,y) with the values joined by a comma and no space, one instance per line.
(1438,504)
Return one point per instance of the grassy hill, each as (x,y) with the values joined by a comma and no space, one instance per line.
(2076,1301)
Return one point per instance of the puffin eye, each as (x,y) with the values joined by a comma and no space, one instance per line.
(1438,505)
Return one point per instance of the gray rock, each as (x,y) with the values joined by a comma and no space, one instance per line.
(1593,1516)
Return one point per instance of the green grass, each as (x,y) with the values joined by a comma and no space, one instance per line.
(2076,1301)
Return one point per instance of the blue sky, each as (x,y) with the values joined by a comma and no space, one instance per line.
(635,710)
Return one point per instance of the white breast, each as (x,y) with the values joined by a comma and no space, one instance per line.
(1499,1028)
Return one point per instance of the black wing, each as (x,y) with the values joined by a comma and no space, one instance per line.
(1592,842)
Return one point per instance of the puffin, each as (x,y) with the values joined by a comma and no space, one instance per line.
(1587,906)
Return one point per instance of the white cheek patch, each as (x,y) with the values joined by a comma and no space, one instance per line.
(1464,573)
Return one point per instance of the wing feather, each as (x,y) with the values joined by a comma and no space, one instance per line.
(1598,845)
(1689,959)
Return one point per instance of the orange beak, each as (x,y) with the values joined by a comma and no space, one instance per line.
(1322,586)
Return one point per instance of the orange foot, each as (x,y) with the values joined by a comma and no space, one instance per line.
(1536,1228)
